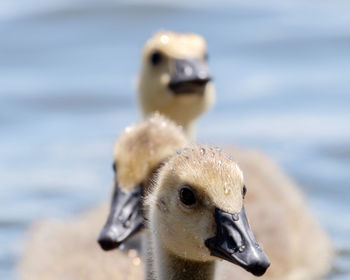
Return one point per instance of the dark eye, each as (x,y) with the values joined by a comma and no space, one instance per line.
(187,197)
(114,166)
(156,57)
(244,191)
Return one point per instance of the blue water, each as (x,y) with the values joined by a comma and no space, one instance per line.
(67,76)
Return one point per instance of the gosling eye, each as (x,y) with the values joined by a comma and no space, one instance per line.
(244,191)
(187,196)
(114,166)
(156,57)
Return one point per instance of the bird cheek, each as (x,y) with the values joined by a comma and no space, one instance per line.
(165,79)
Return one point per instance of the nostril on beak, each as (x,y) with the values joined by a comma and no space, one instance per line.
(187,70)
(107,242)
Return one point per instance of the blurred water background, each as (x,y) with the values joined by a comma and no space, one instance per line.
(67,76)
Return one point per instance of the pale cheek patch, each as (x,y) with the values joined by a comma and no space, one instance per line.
(165,79)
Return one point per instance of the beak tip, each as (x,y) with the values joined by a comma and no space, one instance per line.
(258,271)
(108,245)
(107,241)
(124,220)
(227,244)
(260,267)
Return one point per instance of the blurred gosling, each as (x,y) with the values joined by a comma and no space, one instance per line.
(59,250)
(174,78)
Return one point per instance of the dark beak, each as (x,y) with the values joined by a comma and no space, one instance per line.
(235,242)
(189,76)
(125,218)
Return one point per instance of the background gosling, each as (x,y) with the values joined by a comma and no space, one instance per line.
(174,78)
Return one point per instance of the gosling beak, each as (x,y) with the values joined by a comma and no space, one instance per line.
(188,76)
(125,218)
(235,242)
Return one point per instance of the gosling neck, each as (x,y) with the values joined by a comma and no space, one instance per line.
(172,267)
(190,130)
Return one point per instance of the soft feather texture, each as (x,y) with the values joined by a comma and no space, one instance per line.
(282,222)
(211,170)
(142,147)
(67,250)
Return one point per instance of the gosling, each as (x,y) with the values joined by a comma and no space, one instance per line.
(196,216)
(174,79)
(138,153)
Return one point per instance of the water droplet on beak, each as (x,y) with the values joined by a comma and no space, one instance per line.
(235,217)
(241,249)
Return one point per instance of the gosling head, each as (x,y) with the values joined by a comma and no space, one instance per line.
(138,152)
(196,210)
(174,78)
